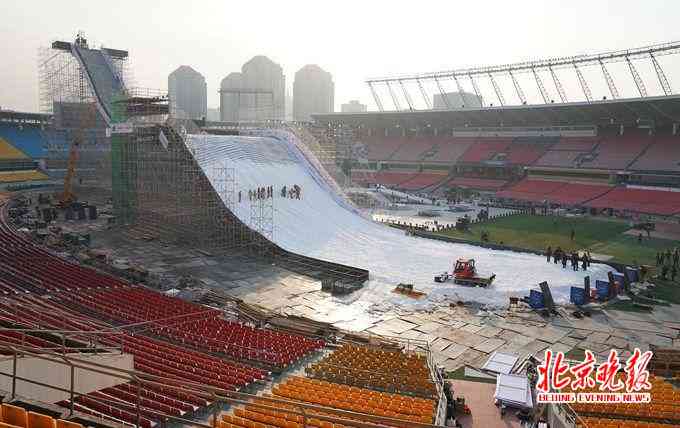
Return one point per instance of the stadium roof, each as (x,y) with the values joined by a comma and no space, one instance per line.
(659,111)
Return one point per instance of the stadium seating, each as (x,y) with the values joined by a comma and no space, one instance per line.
(8,151)
(477,183)
(413,149)
(26,138)
(360,400)
(450,150)
(484,149)
(14,416)
(617,152)
(389,371)
(662,155)
(663,408)
(18,176)
(381,148)
(641,200)
(422,180)
(531,190)
(195,325)
(577,193)
(567,152)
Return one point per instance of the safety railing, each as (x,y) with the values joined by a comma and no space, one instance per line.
(218,398)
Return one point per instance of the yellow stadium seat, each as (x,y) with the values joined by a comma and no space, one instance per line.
(36,420)
(14,415)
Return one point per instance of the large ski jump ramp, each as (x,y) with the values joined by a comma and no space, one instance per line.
(322,225)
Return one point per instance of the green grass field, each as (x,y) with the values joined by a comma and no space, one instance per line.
(600,236)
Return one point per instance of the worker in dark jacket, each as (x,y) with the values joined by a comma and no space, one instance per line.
(548,253)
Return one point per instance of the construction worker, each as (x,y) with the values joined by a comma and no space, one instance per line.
(676,257)
(573,234)
(564,260)
(548,253)
(584,259)
(674,272)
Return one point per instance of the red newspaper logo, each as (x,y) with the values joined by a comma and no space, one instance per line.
(582,373)
(552,372)
(637,375)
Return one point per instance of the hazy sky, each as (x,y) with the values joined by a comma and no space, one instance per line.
(352,40)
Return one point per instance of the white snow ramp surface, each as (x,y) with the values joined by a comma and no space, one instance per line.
(322,225)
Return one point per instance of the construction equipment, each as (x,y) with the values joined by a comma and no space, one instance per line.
(407,290)
(465,273)
(87,121)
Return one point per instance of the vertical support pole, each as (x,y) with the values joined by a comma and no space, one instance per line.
(584,84)
(518,89)
(541,87)
(395,100)
(72,386)
(610,81)
(636,78)
(476,89)
(558,85)
(138,404)
(14,374)
(407,96)
(497,89)
(378,103)
(445,96)
(215,409)
(663,80)
(428,103)
(461,92)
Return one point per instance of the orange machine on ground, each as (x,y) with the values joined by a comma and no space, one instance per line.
(465,273)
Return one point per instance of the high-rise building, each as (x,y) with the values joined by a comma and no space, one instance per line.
(188,93)
(354,106)
(313,92)
(257,93)
(213,114)
(456,100)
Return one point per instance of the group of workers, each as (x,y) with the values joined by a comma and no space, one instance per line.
(268,192)
(669,263)
(559,255)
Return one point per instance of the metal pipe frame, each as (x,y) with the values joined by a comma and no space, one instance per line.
(344,417)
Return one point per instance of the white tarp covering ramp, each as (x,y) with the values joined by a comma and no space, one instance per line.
(321,225)
(499,362)
(514,391)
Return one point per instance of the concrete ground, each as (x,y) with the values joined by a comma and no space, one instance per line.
(483,413)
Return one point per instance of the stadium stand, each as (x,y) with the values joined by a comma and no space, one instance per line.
(558,192)
(360,400)
(484,149)
(617,152)
(450,150)
(200,327)
(9,152)
(15,416)
(413,149)
(388,371)
(531,190)
(577,193)
(423,180)
(477,183)
(18,176)
(382,148)
(664,408)
(641,200)
(567,152)
(27,138)
(662,155)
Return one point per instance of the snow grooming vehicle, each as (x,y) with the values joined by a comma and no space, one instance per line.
(465,273)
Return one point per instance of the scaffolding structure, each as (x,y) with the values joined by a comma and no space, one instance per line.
(262,222)
(68,94)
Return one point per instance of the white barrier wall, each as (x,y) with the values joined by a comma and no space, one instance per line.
(59,375)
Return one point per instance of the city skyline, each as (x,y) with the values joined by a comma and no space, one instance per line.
(352,46)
